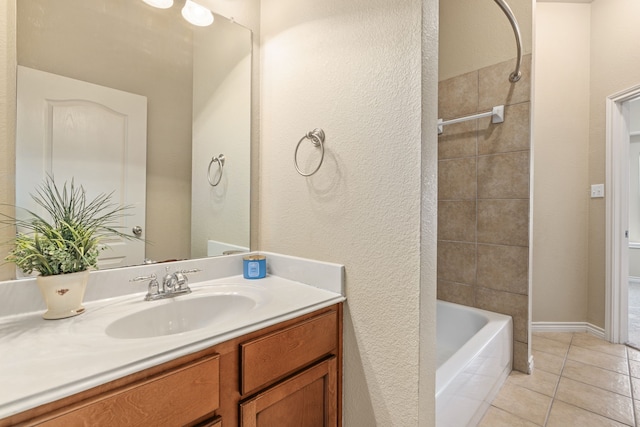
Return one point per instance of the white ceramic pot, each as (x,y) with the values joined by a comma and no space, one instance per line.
(63,294)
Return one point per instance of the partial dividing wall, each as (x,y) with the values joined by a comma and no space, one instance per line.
(354,69)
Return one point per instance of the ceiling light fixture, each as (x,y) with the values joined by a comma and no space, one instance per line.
(192,11)
(196,14)
(160,4)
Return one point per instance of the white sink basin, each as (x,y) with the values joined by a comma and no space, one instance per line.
(181,314)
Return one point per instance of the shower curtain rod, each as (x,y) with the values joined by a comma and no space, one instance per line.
(515,76)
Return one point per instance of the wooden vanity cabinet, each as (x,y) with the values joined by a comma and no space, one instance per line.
(307,399)
(177,396)
(288,374)
(306,355)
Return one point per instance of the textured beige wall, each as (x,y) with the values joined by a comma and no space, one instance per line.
(476,34)
(7,124)
(428,216)
(615,61)
(561,178)
(354,69)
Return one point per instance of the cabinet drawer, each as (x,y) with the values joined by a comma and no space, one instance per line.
(176,397)
(275,355)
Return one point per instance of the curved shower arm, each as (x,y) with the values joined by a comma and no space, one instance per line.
(515,76)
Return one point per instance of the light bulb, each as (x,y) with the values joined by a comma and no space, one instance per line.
(196,14)
(160,4)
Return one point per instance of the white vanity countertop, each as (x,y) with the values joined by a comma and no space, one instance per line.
(45,360)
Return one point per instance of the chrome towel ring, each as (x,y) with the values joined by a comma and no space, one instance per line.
(220,161)
(317,138)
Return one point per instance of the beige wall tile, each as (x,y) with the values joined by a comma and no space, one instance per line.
(458,96)
(457,179)
(594,399)
(503,222)
(514,305)
(458,140)
(504,176)
(457,262)
(496,417)
(503,268)
(512,135)
(494,87)
(598,377)
(599,359)
(563,415)
(520,356)
(458,293)
(457,220)
(503,184)
(523,403)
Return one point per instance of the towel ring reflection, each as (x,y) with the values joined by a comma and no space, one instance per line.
(220,161)
(317,138)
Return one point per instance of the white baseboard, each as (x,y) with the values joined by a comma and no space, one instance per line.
(634,280)
(568,327)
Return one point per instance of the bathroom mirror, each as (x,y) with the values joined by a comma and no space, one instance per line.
(197,85)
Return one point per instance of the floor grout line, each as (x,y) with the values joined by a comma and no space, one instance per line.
(554,399)
(633,406)
(555,392)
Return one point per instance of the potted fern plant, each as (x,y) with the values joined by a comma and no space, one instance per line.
(63,245)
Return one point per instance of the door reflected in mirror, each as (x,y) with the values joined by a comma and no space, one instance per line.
(197,86)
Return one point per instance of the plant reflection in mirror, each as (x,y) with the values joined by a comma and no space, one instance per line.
(68,241)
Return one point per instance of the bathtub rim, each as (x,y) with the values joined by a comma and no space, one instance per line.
(453,366)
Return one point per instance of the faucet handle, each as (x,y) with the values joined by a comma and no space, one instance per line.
(182,279)
(152,276)
(153,290)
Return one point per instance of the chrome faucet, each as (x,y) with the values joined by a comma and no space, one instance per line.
(172,285)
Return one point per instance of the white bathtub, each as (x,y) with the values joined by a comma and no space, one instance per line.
(474,359)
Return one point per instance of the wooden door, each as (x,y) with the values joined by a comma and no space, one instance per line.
(94,134)
(307,399)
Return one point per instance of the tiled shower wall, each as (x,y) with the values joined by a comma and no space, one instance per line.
(483,197)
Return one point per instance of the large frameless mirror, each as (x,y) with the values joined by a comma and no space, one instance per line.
(132,99)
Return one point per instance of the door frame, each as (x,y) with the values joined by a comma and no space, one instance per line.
(617,215)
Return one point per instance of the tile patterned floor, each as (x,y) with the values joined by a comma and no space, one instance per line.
(578,380)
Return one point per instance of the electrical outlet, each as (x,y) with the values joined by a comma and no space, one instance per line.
(597,191)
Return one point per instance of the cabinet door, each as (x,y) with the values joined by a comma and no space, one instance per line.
(307,399)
